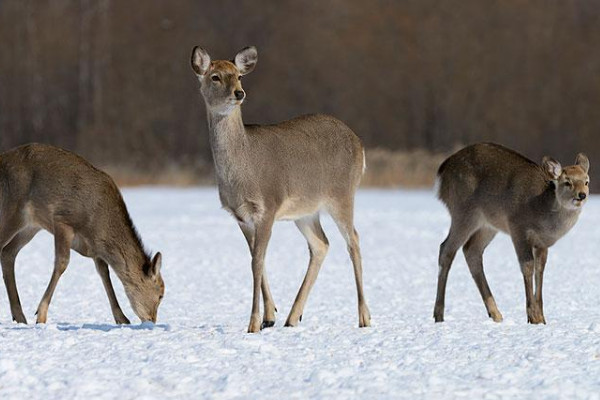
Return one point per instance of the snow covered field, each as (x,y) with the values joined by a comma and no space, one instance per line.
(199,348)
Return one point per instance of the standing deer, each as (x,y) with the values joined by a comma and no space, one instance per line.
(287,171)
(44,187)
(489,188)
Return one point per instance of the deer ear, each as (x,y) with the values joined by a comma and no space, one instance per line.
(200,61)
(551,167)
(155,265)
(583,162)
(246,60)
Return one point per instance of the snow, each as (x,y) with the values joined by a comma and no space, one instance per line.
(199,348)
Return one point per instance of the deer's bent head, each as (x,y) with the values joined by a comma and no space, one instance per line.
(220,80)
(145,290)
(571,183)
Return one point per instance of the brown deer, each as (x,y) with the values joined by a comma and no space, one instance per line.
(489,188)
(287,171)
(44,187)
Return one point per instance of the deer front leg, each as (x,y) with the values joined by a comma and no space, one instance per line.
(540,257)
(269,304)
(63,237)
(527,262)
(262,234)
(104,273)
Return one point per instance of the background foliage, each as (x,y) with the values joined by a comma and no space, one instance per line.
(111,79)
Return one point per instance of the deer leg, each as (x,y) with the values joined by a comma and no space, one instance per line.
(317,246)
(458,235)
(262,234)
(473,251)
(343,215)
(7,257)
(540,256)
(102,268)
(9,228)
(269,304)
(63,237)
(527,262)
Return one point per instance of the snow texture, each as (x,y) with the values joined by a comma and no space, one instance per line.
(199,348)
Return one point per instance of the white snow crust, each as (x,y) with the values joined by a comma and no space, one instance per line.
(200,349)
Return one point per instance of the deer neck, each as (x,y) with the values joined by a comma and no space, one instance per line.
(560,215)
(127,256)
(228,142)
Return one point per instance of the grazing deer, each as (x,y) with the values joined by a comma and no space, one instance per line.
(489,188)
(44,187)
(287,171)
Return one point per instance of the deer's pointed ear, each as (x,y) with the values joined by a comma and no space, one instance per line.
(583,162)
(246,60)
(200,61)
(155,265)
(551,167)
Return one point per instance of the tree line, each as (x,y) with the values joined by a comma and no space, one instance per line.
(111,79)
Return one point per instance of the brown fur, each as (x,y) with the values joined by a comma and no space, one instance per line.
(489,188)
(44,187)
(290,170)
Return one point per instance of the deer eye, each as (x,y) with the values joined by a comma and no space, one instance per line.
(568,184)
(587,183)
(239,78)
(215,78)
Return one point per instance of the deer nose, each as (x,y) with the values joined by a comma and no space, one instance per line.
(582,196)
(239,94)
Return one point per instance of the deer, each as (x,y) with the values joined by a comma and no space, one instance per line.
(489,188)
(45,187)
(292,170)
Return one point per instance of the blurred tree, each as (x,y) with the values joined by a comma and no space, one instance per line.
(111,79)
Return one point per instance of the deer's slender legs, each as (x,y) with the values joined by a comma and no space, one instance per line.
(63,237)
(262,235)
(540,256)
(102,268)
(473,251)
(7,257)
(460,231)
(317,246)
(527,261)
(269,304)
(343,215)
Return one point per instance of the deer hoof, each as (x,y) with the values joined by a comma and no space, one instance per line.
(267,324)
(123,320)
(536,319)
(255,324)
(20,319)
(496,316)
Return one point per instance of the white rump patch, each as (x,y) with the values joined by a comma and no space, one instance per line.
(364,168)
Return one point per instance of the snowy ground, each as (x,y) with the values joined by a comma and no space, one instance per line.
(199,348)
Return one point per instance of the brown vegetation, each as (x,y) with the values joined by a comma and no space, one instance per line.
(111,79)
(412,169)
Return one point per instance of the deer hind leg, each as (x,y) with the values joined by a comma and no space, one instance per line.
(63,237)
(540,256)
(473,251)
(102,268)
(269,304)
(317,246)
(343,215)
(460,231)
(7,257)
(262,235)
